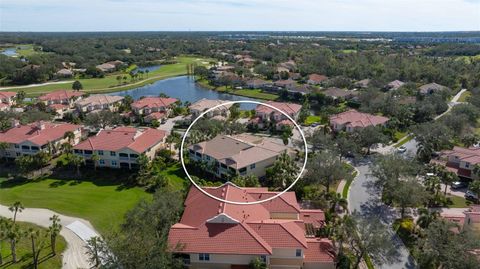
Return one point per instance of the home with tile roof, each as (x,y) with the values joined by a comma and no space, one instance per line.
(99,102)
(352,120)
(241,154)
(213,234)
(120,147)
(460,160)
(204,104)
(153,108)
(431,88)
(316,79)
(469,218)
(7,99)
(35,137)
(265,114)
(65,97)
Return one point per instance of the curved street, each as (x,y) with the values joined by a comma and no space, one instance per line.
(74,256)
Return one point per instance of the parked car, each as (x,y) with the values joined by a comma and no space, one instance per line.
(459,185)
(469,195)
(402,149)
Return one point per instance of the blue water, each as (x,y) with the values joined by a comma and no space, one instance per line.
(149,68)
(9,52)
(185,89)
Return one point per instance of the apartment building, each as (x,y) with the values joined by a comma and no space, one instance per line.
(352,120)
(64,97)
(7,99)
(265,114)
(216,235)
(120,147)
(243,154)
(99,102)
(153,108)
(35,137)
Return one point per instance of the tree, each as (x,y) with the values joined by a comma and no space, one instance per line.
(320,139)
(77,85)
(3,235)
(426,217)
(257,264)
(369,137)
(246,181)
(286,134)
(234,111)
(95,158)
(3,147)
(37,240)
(16,207)
(54,230)
(119,79)
(70,136)
(283,172)
(369,236)
(475,187)
(14,234)
(408,193)
(469,140)
(95,247)
(20,97)
(325,168)
(103,119)
(76,161)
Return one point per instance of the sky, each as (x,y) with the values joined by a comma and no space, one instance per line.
(239,15)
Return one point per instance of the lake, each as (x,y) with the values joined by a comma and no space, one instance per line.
(149,68)
(9,52)
(185,89)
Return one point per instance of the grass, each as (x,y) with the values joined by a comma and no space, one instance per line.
(404,141)
(464,96)
(103,203)
(399,135)
(457,202)
(176,176)
(312,119)
(110,84)
(255,93)
(24,254)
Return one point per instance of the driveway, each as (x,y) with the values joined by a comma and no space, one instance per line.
(168,125)
(365,200)
(74,256)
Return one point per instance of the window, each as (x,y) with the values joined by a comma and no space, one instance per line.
(133,155)
(102,162)
(242,170)
(77,151)
(18,154)
(114,163)
(467,165)
(204,257)
(207,157)
(7,153)
(198,154)
(191,151)
(252,166)
(100,152)
(113,153)
(34,148)
(298,252)
(16,146)
(223,165)
(26,147)
(263,258)
(87,152)
(123,155)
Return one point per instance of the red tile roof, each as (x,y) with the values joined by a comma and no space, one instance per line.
(288,108)
(157,115)
(317,78)
(38,133)
(210,226)
(471,155)
(319,250)
(353,118)
(60,95)
(150,102)
(7,94)
(138,140)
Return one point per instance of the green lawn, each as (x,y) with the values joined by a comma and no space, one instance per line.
(464,96)
(176,176)
(312,119)
(24,252)
(110,84)
(405,140)
(255,93)
(102,203)
(457,202)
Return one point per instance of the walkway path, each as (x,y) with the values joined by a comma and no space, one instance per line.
(74,256)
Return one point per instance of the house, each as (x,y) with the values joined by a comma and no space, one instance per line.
(106,67)
(266,113)
(99,102)
(257,83)
(432,88)
(364,83)
(65,97)
(301,89)
(225,68)
(35,137)
(213,234)
(468,218)
(120,147)
(148,105)
(7,99)
(337,93)
(287,66)
(460,160)
(352,120)
(203,105)
(285,84)
(239,154)
(394,85)
(316,79)
(58,109)
(65,73)
(116,63)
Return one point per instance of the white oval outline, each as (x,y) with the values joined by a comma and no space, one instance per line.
(243,203)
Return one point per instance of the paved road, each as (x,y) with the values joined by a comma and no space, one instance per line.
(364,199)
(74,256)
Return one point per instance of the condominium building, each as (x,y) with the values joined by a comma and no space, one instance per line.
(203,105)
(65,97)
(99,102)
(352,120)
(153,108)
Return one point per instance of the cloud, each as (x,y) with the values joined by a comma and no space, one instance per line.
(311,15)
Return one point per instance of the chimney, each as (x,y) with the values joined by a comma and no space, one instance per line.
(15,123)
(41,125)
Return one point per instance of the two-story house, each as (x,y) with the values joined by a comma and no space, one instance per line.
(203,105)
(352,120)
(60,101)
(120,147)
(153,108)
(239,154)
(460,160)
(99,102)
(38,136)
(216,235)
(7,99)
(265,114)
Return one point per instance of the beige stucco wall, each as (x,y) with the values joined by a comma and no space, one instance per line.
(319,265)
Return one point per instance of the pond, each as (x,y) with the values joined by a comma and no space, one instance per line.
(185,89)
(9,52)
(149,68)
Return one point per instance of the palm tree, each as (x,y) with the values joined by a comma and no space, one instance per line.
(426,217)
(93,250)
(54,231)
(76,161)
(67,148)
(448,178)
(70,136)
(3,236)
(14,234)
(3,147)
(15,208)
(119,79)
(95,158)
(475,187)
(146,72)
(37,247)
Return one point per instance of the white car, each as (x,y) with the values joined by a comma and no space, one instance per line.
(402,149)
